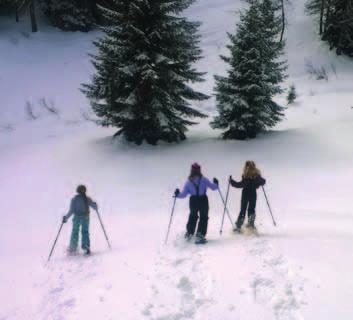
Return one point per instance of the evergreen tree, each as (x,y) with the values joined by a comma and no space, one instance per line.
(336,23)
(71,15)
(244,95)
(339,32)
(292,94)
(144,68)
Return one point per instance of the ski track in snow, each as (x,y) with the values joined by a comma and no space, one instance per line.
(180,270)
(60,299)
(273,283)
(185,271)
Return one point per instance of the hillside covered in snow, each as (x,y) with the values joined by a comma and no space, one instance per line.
(300,269)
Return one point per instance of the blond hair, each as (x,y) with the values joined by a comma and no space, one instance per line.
(250,170)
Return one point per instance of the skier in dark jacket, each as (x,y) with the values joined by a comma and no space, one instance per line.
(251,180)
(196,187)
(79,207)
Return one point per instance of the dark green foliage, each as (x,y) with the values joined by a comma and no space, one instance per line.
(144,68)
(245,95)
(71,15)
(339,31)
(8,7)
(336,23)
(292,94)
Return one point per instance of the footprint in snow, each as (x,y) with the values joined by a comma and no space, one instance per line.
(69,303)
(147,310)
(261,287)
(178,262)
(56,290)
(185,284)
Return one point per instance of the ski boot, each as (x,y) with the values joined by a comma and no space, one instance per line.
(200,239)
(251,226)
(71,252)
(87,251)
(237,229)
(188,236)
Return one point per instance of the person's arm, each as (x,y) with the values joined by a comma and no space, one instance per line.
(92,204)
(209,184)
(261,181)
(71,211)
(185,192)
(236,184)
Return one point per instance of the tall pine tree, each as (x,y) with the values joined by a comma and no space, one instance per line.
(144,68)
(245,95)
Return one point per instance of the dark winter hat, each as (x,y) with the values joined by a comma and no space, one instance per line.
(81,189)
(196,167)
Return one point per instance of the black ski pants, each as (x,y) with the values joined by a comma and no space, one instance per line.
(248,202)
(198,209)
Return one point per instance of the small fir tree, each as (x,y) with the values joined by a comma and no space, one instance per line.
(292,94)
(144,68)
(245,95)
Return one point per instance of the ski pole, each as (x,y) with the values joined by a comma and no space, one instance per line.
(56,239)
(225,208)
(170,222)
(105,234)
(269,207)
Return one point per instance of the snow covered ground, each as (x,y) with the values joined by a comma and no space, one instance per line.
(299,270)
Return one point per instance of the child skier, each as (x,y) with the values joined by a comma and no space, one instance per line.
(197,186)
(251,180)
(80,209)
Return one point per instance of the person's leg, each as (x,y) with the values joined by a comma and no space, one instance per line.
(203,223)
(251,211)
(85,233)
(74,233)
(193,217)
(244,204)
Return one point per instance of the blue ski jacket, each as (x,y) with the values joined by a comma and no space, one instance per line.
(80,206)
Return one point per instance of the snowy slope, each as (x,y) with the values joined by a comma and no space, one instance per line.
(299,270)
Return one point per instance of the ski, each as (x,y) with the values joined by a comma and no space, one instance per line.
(203,241)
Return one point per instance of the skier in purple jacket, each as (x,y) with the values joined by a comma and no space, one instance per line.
(196,187)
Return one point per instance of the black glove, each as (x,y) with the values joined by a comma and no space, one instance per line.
(215,181)
(176,192)
(230,179)
(64,219)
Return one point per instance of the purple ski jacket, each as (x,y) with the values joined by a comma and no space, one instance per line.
(190,187)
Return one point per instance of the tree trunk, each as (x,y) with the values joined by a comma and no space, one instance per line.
(283,21)
(328,11)
(322,9)
(32,12)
